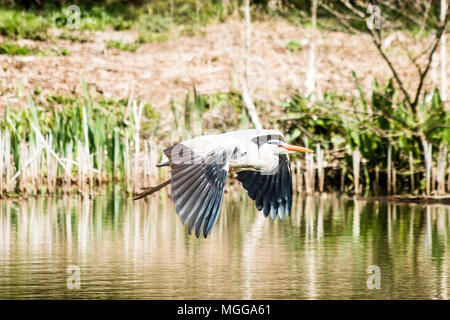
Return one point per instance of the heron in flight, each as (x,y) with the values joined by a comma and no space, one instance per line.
(200,168)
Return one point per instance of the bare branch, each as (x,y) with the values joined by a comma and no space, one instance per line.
(430,59)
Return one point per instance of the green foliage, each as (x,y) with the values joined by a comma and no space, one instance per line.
(148,37)
(293,46)
(123,46)
(63,117)
(12,48)
(153,20)
(369,125)
(74,37)
(15,24)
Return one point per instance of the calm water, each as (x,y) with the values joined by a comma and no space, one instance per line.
(140,250)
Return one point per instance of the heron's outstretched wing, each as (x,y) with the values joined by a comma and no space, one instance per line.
(271,192)
(198,183)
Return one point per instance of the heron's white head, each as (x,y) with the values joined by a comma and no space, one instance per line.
(279,147)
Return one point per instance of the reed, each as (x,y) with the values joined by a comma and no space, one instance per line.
(411,170)
(299,176)
(428,150)
(94,142)
(80,147)
(309,171)
(440,169)
(320,167)
(389,169)
(356,170)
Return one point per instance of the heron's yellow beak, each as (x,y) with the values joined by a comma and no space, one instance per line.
(290,147)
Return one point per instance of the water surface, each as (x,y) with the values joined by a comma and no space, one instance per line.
(140,250)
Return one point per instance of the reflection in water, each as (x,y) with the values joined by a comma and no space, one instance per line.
(140,249)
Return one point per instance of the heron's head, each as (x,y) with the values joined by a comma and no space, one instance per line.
(280,147)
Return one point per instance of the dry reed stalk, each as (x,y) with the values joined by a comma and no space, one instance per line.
(394,180)
(294,176)
(23,157)
(90,171)
(320,167)
(389,169)
(81,165)
(356,157)
(440,170)
(299,176)
(85,163)
(4,158)
(309,170)
(136,175)
(67,175)
(30,164)
(154,159)
(37,168)
(52,167)
(428,151)
(100,158)
(147,166)
(411,170)
(127,164)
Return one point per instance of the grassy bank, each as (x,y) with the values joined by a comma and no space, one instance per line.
(70,144)
(155,21)
(76,144)
(379,139)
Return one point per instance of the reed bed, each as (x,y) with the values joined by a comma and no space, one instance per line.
(75,150)
(91,143)
(371,142)
(318,172)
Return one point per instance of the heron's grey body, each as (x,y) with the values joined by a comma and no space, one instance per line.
(200,168)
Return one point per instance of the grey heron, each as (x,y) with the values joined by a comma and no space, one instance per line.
(200,168)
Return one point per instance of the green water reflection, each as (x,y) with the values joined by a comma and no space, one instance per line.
(140,250)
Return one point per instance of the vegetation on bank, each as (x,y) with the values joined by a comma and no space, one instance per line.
(154,20)
(386,134)
(387,141)
(78,144)
(12,48)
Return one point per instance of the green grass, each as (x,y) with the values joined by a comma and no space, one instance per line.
(13,48)
(148,37)
(19,24)
(75,37)
(123,46)
(108,122)
(293,46)
(152,19)
(369,123)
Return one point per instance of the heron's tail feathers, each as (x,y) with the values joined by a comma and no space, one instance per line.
(163,164)
(150,190)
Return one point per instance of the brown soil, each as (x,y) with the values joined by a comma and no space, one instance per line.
(213,63)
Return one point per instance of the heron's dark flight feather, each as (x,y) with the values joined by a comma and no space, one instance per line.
(198,184)
(272,193)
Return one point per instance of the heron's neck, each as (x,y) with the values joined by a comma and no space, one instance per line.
(268,161)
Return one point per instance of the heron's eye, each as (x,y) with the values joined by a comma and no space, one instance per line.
(275,142)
